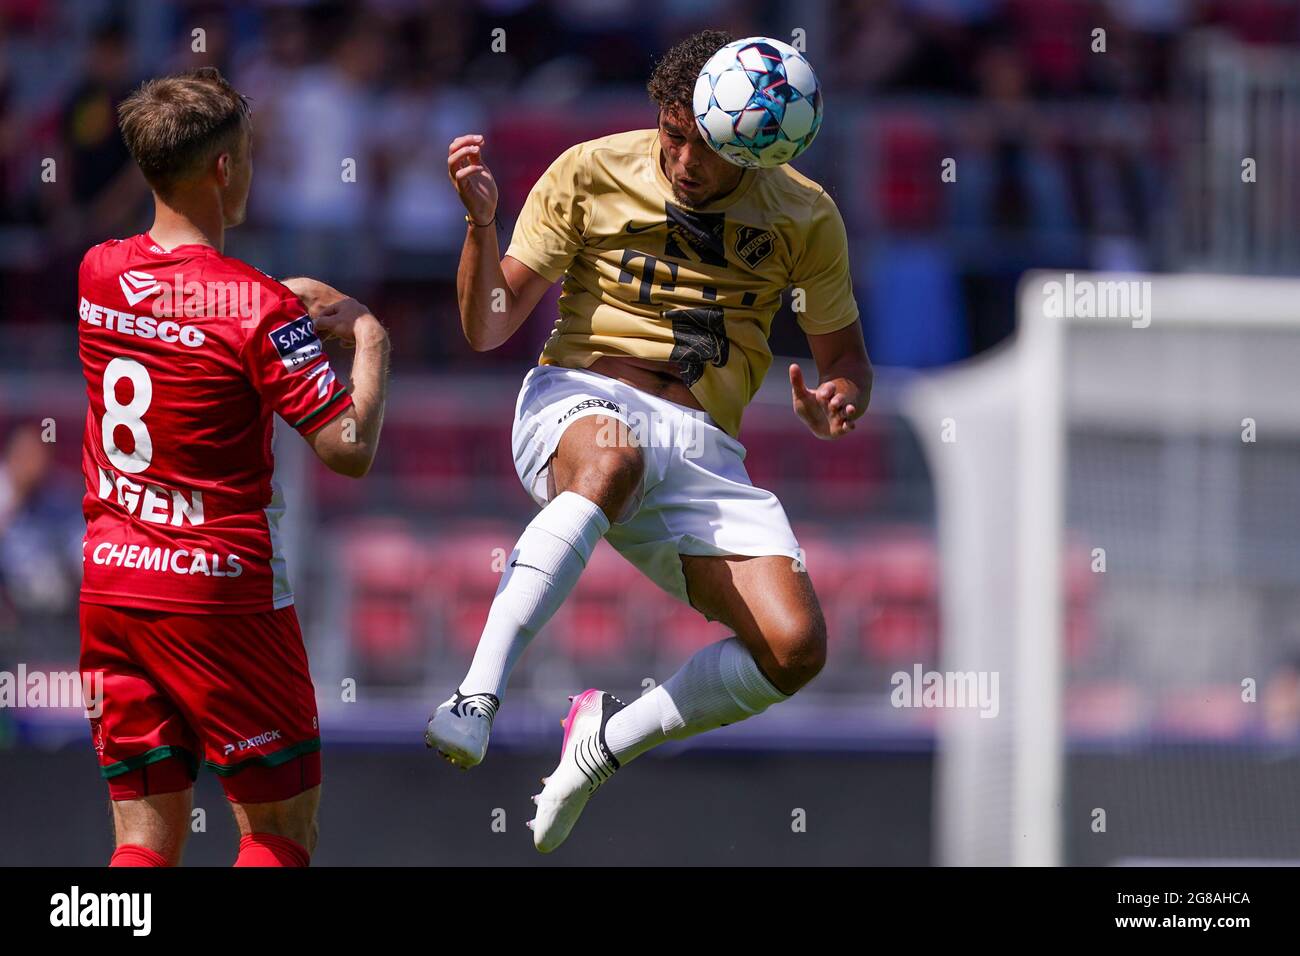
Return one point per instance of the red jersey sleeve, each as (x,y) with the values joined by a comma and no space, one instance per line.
(287,365)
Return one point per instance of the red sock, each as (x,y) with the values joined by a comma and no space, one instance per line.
(270,849)
(131,854)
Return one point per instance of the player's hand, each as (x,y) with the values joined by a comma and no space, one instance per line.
(471,177)
(830,409)
(349,321)
(315,295)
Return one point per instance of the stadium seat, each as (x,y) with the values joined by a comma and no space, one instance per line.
(386,566)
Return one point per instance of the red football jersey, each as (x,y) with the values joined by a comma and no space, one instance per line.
(187,353)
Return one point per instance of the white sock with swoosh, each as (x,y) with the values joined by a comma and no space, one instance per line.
(543,568)
(721,684)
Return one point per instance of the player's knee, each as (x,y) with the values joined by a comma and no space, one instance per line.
(304,833)
(164,836)
(612,477)
(300,827)
(168,845)
(313,834)
(798,646)
(160,822)
(294,819)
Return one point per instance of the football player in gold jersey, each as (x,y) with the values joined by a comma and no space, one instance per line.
(673,263)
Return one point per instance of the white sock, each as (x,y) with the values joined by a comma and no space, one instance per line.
(721,684)
(543,568)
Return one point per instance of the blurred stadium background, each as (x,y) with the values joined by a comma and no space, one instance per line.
(1067,160)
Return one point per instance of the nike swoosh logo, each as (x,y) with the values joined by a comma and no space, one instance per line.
(635,229)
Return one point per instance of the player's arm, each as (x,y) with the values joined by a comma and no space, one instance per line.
(830,320)
(316,296)
(347,444)
(287,366)
(844,383)
(495,294)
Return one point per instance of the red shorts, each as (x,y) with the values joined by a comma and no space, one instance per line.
(230,690)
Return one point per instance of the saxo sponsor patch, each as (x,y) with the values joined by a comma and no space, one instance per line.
(297,343)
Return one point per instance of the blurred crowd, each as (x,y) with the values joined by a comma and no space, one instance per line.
(385,84)
(1064,157)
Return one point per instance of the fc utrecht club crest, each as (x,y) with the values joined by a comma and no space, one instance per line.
(137,286)
(753,245)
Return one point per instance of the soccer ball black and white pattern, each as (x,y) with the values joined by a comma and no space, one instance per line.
(757,102)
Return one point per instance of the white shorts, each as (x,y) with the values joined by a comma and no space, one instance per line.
(695,496)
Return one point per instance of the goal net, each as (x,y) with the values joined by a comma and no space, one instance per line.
(1119,528)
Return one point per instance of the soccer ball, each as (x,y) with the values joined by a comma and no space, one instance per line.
(757,102)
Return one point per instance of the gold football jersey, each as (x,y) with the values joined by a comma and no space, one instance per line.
(647,277)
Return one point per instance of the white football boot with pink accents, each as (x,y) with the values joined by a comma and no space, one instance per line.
(585,763)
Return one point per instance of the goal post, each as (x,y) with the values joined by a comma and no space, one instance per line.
(1120,418)
(1037,717)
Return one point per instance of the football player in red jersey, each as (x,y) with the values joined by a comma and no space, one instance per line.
(186,609)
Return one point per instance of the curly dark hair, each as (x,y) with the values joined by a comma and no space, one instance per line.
(672,83)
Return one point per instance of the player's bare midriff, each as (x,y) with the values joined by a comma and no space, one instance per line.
(661,379)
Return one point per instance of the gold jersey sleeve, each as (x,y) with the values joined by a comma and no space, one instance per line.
(548,232)
(823,274)
(645,276)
